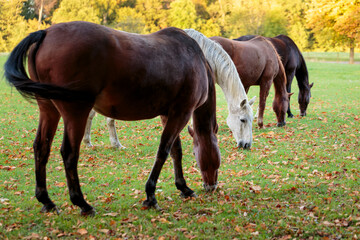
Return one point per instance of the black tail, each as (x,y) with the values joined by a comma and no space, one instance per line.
(16,75)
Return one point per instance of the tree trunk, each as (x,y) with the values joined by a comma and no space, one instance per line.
(352,51)
(40,13)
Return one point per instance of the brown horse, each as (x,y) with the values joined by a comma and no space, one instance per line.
(258,63)
(294,64)
(77,66)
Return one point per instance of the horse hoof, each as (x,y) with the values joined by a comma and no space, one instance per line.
(48,209)
(290,116)
(89,213)
(191,195)
(281,124)
(157,207)
(116,146)
(148,205)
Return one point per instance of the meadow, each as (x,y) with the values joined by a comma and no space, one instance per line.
(300,181)
(338,57)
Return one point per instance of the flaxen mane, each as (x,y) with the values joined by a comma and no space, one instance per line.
(224,68)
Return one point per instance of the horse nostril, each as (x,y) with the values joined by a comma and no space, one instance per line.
(247,146)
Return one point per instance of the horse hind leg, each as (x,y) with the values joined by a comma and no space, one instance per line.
(114,140)
(174,125)
(87,135)
(49,119)
(75,117)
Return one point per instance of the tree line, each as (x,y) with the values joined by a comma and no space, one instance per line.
(313,24)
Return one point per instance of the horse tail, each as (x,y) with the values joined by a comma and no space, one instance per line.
(16,76)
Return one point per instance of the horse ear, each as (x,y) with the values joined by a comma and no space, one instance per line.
(191,131)
(290,94)
(311,85)
(251,102)
(243,102)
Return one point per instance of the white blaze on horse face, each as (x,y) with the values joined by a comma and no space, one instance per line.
(240,122)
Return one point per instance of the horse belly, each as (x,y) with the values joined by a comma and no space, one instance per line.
(135,102)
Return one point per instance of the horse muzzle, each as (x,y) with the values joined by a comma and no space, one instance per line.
(244,145)
(302,114)
(210,188)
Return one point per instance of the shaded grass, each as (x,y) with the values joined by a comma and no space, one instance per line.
(300,181)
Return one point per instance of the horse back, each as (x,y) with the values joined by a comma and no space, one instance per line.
(123,70)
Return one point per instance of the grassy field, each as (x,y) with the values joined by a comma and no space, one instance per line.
(300,181)
(330,56)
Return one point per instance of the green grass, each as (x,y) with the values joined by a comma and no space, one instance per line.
(300,181)
(330,56)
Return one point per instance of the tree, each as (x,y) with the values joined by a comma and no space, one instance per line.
(107,10)
(247,18)
(274,23)
(44,8)
(13,26)
(127,19)
(339,20)
(154,13)
(182,14)
(80,10)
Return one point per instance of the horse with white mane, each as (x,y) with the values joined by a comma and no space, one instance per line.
(240,116)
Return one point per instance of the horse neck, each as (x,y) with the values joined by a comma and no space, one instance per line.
(280,81)
(302,75)
(204,117)
(226,75)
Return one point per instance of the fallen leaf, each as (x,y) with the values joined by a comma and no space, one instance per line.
(113,214)
(328,224)
(202,219)
(82,231)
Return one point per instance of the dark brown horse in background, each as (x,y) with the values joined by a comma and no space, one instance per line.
(77,66)
(294,65)
(258,64)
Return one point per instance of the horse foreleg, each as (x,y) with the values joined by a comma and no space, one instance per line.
(180,183)
(74,127)
(115,143)
(264,92)
(176,155)
(87,135)
(172,129)
(49,119)
(289,79)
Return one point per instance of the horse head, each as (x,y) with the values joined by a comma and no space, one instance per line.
(207,156)
(304,99)
(240,122)
(280,106)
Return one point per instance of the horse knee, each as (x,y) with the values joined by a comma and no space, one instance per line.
(110,122)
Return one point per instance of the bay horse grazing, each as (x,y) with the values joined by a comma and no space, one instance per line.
(295,65)
(77,66)
(258,63)
(240,116)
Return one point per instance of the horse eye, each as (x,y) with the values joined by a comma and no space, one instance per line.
(243,120)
